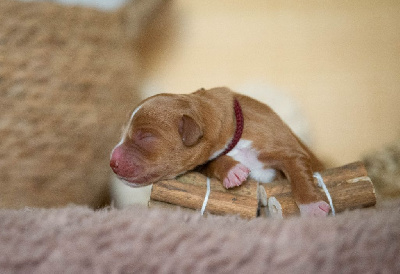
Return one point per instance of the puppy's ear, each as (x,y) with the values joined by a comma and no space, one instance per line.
(189,130)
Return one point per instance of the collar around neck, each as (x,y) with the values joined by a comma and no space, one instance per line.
(239,128)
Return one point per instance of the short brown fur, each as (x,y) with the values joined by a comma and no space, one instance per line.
(187,130)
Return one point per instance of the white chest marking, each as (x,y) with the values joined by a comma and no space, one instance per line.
(248,156)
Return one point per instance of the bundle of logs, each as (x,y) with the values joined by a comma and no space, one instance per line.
(349,187)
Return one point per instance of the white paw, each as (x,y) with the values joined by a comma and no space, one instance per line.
(317,209)
(236,176)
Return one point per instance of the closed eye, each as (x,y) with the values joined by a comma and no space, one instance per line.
(145,139)
(145,135)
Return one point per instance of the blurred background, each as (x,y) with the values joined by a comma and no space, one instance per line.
(339,60)
(330,67)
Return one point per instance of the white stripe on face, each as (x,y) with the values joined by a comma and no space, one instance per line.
(134,112)
(125,132)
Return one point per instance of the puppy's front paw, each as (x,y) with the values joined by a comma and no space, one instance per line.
(236,176)
(317,209)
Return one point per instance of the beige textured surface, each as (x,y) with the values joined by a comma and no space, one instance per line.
(139,240)
(67,83)
(339,59)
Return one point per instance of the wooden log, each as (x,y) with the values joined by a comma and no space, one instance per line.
(349,171)
(349,187)
(282,206)
(189,191)
(330,176)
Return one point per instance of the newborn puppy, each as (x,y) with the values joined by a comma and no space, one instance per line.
(230,135)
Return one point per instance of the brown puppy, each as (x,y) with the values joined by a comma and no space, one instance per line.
(168,135)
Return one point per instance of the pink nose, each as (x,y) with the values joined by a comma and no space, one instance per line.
(123,163)
(116,159)
(114,165)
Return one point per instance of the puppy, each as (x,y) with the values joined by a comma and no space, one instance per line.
(231,136)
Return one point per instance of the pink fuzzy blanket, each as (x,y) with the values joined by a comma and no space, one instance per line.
(140,240)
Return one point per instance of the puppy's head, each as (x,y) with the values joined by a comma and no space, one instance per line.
(163,138)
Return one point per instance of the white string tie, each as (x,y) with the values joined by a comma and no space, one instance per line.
(322,185)
(203,208)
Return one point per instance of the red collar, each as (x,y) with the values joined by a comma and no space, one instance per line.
(239,128)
